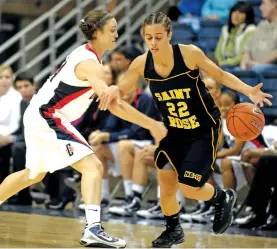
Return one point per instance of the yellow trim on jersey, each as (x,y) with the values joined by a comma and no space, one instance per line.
(194,77)
(203,101)
(216,148)
(168,158)
(213,149)
(170,77)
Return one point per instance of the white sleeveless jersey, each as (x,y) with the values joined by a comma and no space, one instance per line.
(231,140)
(63,94)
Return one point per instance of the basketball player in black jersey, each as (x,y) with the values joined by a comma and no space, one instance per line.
(185,157)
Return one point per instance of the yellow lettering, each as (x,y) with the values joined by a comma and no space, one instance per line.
(186,124)
(165,96)
(192,175)
(171,92)
(172,122)
(187,90)
(183,109)
(158,95)
(179,123)
(193,122)
(171,109)
(179,94)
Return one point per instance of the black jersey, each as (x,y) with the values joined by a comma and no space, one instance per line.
(182,98)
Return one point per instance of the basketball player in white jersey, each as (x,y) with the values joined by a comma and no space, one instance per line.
(53,143)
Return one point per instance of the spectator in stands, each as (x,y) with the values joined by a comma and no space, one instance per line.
(260,53)
(231,168)
(217,9)
(187,12)
(105,141)
(121,58)
(214,88)
(9,118)
(260,195)
(234,35)
(26,87)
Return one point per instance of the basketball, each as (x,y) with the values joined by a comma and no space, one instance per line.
(245,121)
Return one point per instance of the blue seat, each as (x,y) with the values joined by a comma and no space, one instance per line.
(182,29)
(181,39)
(209,32)
(257,12)
(270,81)
(207,45)
(255,2)
(248,77)
(270,111)
(211,23)
(244,98)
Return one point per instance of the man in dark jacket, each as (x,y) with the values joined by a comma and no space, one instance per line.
(105,142)
(26,87)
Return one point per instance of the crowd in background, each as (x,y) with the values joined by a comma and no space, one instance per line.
(127,150)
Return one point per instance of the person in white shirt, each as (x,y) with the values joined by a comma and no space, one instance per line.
(9,117)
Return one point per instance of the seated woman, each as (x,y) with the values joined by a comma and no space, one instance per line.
(234,34)
(229,159)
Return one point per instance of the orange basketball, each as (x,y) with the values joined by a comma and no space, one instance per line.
(245,121)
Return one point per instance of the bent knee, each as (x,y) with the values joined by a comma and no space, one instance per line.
(246,155)
(125,145)
(226,165)
(92,164)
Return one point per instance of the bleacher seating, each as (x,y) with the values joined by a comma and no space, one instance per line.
(182,34)
(270,86)
(209,35)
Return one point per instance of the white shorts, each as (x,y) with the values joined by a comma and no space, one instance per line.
(52,143)
(114,167)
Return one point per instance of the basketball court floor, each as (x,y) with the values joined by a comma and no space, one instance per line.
(25,227)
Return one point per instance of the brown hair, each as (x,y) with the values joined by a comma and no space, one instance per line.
(158,18)
(93,21)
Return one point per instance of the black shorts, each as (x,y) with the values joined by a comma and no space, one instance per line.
(192,158)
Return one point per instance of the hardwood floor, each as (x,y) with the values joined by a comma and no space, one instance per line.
(31,230)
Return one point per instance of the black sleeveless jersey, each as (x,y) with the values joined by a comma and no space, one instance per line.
(182,99)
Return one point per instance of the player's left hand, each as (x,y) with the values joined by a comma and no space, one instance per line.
(158,131)
(99,138)
(258,97)
(107,96)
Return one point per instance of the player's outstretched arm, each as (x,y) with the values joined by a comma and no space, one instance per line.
(201,61)
(91,71)
(130,78)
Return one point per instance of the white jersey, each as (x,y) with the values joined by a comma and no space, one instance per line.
(64,93)
(51,139)
(230,140)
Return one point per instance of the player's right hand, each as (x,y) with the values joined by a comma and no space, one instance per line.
(158,131)
(107,96)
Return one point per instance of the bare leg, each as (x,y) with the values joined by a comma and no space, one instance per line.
(92,172)
(229,180)
(140,171)
(204,193)
(126,153)
(16,182)
(104,154)
(168,182)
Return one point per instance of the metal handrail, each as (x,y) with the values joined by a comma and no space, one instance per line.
(142,7)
